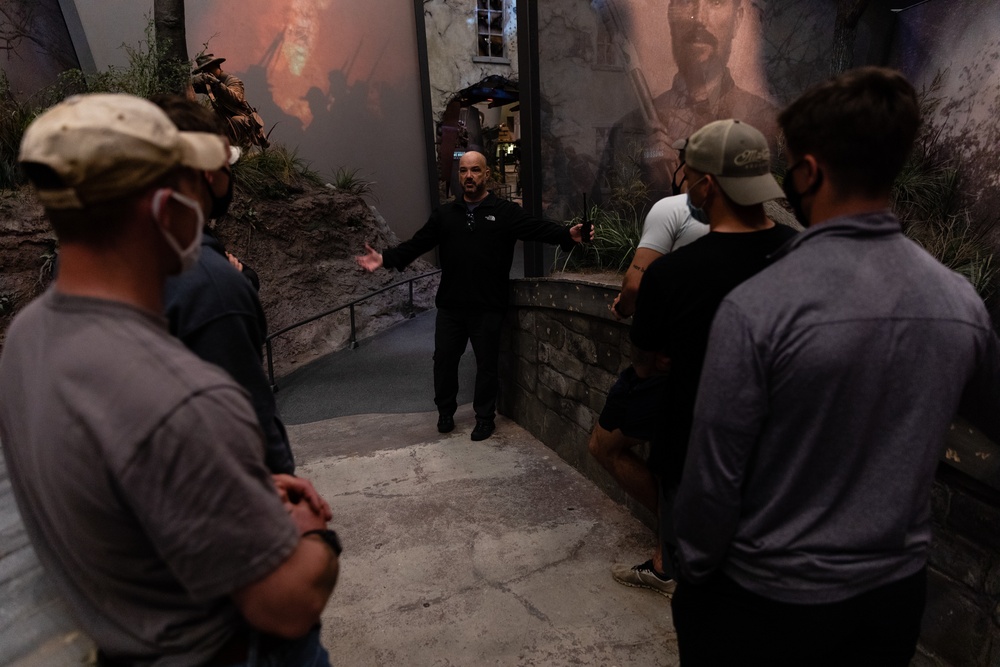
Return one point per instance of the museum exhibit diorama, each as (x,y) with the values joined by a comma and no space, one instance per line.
(577,105)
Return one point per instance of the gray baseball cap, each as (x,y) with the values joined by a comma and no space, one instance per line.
(738,156)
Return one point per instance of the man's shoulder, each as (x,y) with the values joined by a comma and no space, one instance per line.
(139,368)
(669,210)
(212,286)
(688,259)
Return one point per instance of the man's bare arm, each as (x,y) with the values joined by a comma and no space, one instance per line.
(288,601)
(624,305)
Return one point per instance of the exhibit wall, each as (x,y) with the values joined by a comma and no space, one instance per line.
(336,80)
(950,50)
(622,80)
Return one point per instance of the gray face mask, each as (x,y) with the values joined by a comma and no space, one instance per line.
(188,256)
(697,212)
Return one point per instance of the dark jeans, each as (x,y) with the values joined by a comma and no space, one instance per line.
(270,652)
(454,330)
(722,623)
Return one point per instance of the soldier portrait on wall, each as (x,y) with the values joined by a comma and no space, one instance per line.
(243,124)
(702,90)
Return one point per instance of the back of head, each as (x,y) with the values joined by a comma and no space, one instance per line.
(859,125)
(736,154)
(90,152)
(107,146)
(188,115)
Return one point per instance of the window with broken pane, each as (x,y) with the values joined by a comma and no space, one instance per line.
(490,29)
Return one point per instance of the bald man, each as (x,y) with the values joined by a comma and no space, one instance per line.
(475,234)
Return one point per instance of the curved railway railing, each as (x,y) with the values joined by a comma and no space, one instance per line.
(353,341)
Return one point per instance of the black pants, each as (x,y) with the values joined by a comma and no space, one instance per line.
(720,623)
(454,330)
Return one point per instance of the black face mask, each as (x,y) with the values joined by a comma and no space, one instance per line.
(794,197)
(220,205)
(675,187)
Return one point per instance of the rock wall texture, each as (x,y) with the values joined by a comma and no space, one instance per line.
(562,352)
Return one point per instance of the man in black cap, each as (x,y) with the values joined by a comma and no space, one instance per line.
(243,123)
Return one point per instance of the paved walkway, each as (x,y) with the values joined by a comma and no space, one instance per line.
(455,553)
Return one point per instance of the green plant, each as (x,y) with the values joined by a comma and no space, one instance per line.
(927,196)
(145,75)
(617,221)
(273,173)
(14,118)
(348,180)
(47,269)
(616,237)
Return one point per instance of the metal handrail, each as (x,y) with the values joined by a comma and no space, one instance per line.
(354,332)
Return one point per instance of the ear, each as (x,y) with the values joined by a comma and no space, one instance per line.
(810,171)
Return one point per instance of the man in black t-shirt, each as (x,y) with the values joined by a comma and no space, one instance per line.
(728,168)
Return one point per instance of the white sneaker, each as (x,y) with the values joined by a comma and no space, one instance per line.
(643,576)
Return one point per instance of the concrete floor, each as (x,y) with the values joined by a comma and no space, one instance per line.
(463,553)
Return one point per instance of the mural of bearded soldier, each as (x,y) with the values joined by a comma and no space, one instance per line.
(243,123)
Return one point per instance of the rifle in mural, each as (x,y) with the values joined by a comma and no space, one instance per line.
(609,12)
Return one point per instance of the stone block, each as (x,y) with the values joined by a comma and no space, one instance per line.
(527,375)
(565,364)
(954,627)
(940,499)
(526,320)
(959,559)
(610,358)
(609,333)
(581,347)
(580,393)
(992,585)
(597,401)
(549,398)
(599,379)
(550,331)
(554,380)
(975,519)
(527,348)
(994,650)
(580,324)
(579,414)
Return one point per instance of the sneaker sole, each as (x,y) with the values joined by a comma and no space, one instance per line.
(669,595)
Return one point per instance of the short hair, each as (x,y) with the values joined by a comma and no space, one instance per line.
(98,224)
(860,125)
(188,115)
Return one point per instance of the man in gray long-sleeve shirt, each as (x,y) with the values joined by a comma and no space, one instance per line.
(829,384)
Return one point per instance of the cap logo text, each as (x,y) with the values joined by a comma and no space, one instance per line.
(752,156)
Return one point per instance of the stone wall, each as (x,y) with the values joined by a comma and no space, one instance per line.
(452,58)
(562,351)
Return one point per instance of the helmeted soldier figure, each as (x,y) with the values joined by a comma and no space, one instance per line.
(243,123)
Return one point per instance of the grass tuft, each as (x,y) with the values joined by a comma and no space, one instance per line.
(348,180)
(273,173)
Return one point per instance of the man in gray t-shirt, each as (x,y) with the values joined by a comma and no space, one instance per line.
(138,468)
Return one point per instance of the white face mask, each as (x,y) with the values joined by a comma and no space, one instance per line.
(187,256)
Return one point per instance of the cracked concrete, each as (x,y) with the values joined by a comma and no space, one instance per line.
(464,553)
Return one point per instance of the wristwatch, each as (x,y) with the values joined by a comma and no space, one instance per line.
(328,536)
